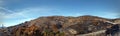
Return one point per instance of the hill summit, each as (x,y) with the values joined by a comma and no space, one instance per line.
(58,26)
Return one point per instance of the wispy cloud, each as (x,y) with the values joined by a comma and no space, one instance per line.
(25,14)
(14,13)
(1,14)
(29,13)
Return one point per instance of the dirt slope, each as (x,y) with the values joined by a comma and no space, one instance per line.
(58,26)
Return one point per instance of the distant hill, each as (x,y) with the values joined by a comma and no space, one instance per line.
(59,26)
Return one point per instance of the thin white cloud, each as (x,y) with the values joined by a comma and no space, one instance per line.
(36,11)
(14,13)
(25,13)
(29,13)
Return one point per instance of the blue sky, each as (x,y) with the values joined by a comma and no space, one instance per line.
(13,12)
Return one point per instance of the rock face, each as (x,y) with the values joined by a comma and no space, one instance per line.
(58,26)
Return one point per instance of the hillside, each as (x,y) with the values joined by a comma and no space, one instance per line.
(58,26)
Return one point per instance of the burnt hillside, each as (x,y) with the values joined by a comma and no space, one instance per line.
(58,26)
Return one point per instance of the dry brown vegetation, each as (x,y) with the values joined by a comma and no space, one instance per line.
(58,26)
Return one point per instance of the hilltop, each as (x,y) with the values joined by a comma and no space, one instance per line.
(58,26)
